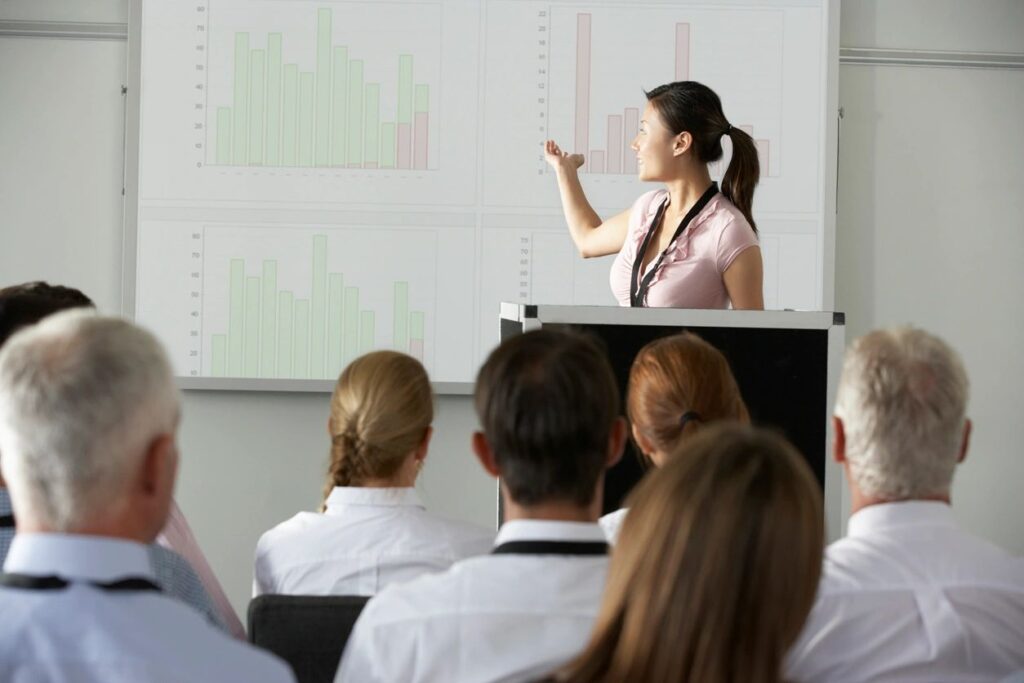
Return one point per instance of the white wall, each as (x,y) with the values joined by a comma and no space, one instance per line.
(929,231)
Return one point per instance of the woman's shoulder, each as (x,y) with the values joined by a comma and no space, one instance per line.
(724,216)
(291,528)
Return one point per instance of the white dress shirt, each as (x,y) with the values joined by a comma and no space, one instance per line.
(364,540)
(908,596)
(507,617)
(83,634)
(611,524)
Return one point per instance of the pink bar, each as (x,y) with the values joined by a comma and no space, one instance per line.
(762,155)
(416,349)
(630,128)
(682,52)
(614,144)
(582,85)
(370,164)
(419,154)
(596,161)
(404,136)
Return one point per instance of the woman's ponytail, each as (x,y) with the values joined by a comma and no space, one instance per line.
(743,173)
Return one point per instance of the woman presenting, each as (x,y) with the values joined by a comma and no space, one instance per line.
(689,245)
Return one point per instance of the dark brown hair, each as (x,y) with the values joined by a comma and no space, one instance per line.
(28,303)
(695,108)
(676,375)
(716,568)
(547,402)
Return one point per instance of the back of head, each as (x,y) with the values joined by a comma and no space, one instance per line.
(717,566)
(81,397)
(547,402)
(695,108)
(380,411)
(902,398)
(28,303)
(676,377)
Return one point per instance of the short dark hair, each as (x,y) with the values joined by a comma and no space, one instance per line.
(547,401)
(28,303)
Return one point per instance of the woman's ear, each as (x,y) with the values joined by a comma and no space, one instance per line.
(682,144)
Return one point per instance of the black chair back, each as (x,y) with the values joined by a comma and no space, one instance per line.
(307,631)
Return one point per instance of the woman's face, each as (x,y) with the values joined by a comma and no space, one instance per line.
(654,146)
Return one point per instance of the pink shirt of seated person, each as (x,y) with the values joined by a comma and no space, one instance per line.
(177,536)
(690,276)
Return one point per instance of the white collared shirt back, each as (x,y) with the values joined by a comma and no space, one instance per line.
(907,596)
(487,619)
(82,634)
(366,539)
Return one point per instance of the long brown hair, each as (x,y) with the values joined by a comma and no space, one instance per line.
(676,375)
(717,566)
(695,108)
(380,411)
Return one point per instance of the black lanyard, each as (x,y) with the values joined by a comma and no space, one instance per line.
(49,583)
(638,288)
(6,521)
(551,548)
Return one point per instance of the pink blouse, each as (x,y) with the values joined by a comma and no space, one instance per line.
(690,276)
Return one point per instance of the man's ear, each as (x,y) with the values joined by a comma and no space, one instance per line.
(682,144)
(965,444)
(159,467)
(482,451)
(838,440)
(616,442)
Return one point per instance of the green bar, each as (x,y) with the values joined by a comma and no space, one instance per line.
(274,99)
(220,353)
(405,88)
(289,114)
(285,334)
(351,330)
(224,135)
(323,86)
(305,119)
(355,113)
(422,104)
(257,106)
(318,314)
(339,111)
(335,305)
(268,334)
(252,327)
(371,124)
(387,145)
(241,101)
(367,334)
(236,317)
(402,316)
(417,321)
(300,368)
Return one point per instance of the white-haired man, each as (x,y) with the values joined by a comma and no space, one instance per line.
(88,415)
(907,595)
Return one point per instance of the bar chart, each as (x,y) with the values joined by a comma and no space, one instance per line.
(282,305)
(271,104)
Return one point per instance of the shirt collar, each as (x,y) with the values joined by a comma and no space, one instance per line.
(875,518)
(5,502)
(75,556)
(364,495)
(548,530)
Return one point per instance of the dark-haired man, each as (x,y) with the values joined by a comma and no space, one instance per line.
(549,407)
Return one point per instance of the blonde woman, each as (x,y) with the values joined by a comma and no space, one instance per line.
(717,568)
(372,529)
(677,385)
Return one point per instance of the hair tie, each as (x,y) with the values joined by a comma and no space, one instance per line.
(728,129)
(689,416)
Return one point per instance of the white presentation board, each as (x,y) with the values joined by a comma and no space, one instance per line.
(319,179)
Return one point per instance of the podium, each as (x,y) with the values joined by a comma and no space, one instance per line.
(787,365)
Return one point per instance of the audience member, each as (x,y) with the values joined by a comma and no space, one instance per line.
(717,567)
(88,416)
(28,303)
(677,384)
(373,529)
(549,408)
(907,595)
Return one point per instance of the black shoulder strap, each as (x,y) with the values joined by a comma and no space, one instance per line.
(638,288)
(551,548)
(44,583)
(6,521)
